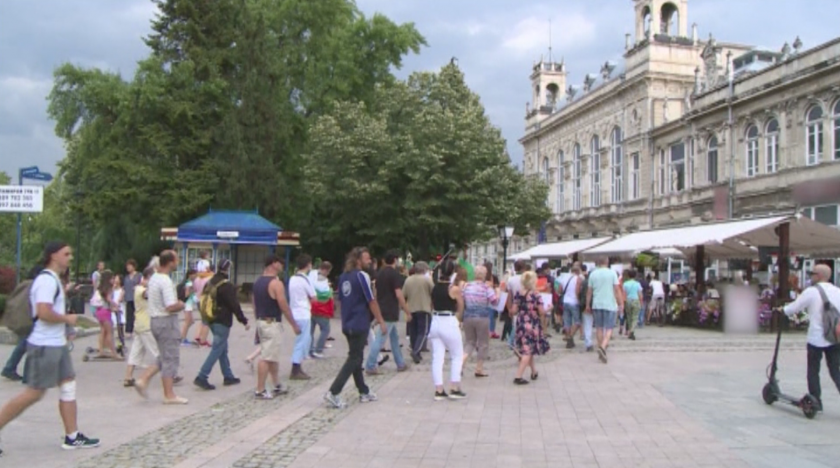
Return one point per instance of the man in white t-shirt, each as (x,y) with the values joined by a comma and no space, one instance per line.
(568,287)
(301,294)
(163,308)
(48,362)
(657,294)
(811,300)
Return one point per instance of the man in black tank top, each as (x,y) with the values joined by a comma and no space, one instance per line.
(269,308)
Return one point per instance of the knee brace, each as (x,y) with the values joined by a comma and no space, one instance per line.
(68,391)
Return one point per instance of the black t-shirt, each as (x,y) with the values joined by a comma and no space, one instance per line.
(388,280)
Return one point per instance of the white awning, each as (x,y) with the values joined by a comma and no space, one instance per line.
(560,250)
(520,256)
(732,239)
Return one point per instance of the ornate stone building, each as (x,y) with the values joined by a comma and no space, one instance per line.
(650,142)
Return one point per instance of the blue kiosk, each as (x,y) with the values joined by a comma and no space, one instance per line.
(243,237)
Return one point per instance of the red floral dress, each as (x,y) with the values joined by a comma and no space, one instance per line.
(529,339)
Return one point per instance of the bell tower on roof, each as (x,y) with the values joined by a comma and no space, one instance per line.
(548,80)
(665,17)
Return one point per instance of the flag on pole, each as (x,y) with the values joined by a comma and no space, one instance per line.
(466,266)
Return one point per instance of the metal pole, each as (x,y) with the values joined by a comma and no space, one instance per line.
(504,253)
(19,222)
(731,142)
(78,235)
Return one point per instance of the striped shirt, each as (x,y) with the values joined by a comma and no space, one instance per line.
(478,294)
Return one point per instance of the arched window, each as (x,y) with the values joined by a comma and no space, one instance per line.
(576,177)
(635,177)
(646,19)
(837,130)
(595,172)
(689,176)
(546,175)
(663,171)
(752,151)
(771,145)
(669,19)
(616,166)
(561,183)
(712,161)
(814,135)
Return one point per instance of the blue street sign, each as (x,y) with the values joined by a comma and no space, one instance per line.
(29,171)
(42,176)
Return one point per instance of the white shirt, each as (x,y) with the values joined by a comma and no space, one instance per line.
(162,294)
(301,292)
(202,266)
(811,301)
(570,291)
(514,284)
(657,288)
(43,291)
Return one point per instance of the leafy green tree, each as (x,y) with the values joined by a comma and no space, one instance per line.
(419,167)
(217,115)
(7,230)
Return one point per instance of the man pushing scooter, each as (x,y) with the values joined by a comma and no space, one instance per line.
(822,328)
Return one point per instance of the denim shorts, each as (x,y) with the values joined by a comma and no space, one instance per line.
(571,315)
(604,318)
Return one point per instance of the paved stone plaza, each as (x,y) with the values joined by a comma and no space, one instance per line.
(675,397)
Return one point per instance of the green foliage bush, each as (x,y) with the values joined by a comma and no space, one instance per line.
(2,303)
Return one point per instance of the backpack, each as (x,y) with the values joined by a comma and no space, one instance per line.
(208,308)
(830,318)
(181,290)
(18,315)
(583,287)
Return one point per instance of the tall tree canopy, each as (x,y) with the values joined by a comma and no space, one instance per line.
(418,166)
(218,114)
(289,107)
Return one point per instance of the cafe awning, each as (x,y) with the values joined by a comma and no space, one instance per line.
(561,250)
(730,239)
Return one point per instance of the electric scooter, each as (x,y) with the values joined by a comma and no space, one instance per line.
(772,393)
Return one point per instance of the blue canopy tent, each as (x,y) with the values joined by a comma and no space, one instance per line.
(243,237)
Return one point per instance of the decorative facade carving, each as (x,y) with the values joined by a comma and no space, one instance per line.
(711,69)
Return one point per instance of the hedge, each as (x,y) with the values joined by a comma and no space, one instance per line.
(2,302)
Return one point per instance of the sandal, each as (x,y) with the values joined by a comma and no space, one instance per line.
(128,383)
(520,381)
(535,376)
(482,374)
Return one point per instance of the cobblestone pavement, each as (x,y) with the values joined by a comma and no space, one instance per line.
(146,434)
(183,438)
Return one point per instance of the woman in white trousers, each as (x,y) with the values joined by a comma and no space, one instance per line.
(445,331)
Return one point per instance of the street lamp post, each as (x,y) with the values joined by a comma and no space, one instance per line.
(31,173)
(79,194)
(505,233)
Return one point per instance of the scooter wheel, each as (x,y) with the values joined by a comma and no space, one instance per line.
(767,394)
(86,358)
(809,406)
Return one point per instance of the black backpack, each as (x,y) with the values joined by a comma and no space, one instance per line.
(181,290)
(830,317)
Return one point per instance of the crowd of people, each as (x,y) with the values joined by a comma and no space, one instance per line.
(148,317)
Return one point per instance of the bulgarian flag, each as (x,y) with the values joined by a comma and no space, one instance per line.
(323,291)
(466,265)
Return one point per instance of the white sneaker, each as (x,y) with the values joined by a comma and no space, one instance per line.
(334,400)
(368,397)
(317,355)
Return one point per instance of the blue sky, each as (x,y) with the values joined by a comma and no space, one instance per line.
(495,41)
